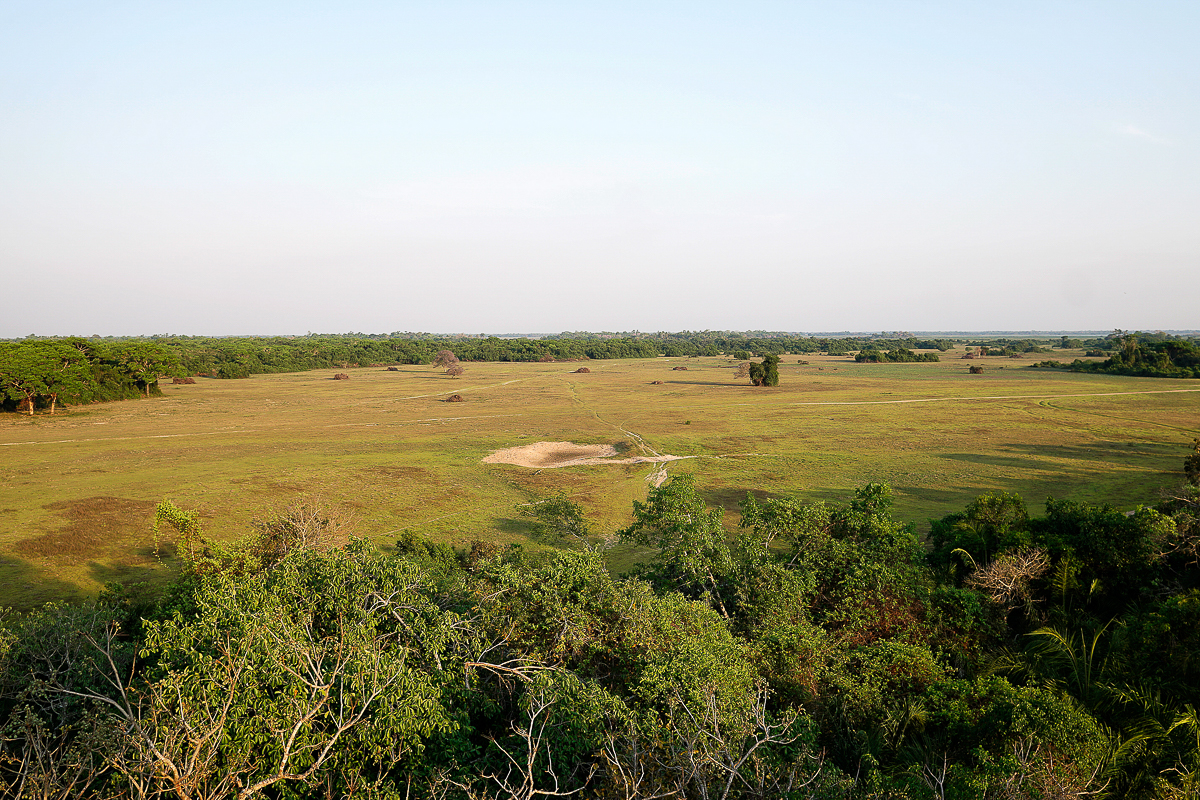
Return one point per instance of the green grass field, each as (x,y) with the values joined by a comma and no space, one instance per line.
(79,488)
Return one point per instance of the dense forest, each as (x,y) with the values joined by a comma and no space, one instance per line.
(820,651)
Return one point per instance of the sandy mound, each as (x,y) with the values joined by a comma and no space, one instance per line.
(546,455)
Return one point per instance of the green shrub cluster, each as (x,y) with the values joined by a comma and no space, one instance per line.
(1012,347)
(899,354)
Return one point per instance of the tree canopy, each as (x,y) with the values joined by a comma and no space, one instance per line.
(46,373)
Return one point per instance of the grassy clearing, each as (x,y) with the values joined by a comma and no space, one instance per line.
(79,488)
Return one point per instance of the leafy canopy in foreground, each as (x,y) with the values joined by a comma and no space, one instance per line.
(817,651)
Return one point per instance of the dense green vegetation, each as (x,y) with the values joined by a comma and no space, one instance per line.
(765,372)
(1143,356)
(73,370)
(895,355)
(821,651)
(46,373)
(235,357)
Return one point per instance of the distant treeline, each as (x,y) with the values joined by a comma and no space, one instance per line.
(46,372)
(241,357)
(1143,356)
(1016,347)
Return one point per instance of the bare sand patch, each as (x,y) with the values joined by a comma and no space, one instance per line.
(547,455)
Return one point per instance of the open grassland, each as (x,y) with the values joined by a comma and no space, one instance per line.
(77,490)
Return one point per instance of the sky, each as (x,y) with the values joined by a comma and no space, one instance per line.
(256,167)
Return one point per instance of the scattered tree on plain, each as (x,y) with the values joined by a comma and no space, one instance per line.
(444,358)
(765,373)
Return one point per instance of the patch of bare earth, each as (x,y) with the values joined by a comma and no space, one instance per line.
(92,525)
(548,455)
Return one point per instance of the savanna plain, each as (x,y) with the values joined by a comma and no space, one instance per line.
(386,449)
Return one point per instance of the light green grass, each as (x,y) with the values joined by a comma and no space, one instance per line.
(78,489)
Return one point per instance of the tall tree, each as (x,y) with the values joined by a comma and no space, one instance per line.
(69,373)
(23,371)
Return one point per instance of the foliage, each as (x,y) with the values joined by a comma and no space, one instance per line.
(1141,355)
(765,372)
(558,520)
(815,651)
(49,373)
(895,355)
(1191,464)
(693,552)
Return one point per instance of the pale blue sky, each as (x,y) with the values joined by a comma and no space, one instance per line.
(263,167)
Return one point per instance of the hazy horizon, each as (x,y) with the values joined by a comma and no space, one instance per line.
(263,167)
(652,332)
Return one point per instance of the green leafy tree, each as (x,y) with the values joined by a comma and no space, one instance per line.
(693,548)
(559,519)
(320,669)
(766,372)
(23,371)
(991,524)
(69,374)
(144,362)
